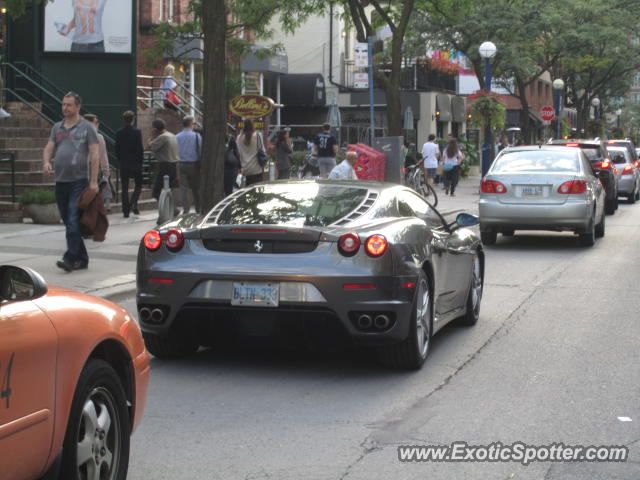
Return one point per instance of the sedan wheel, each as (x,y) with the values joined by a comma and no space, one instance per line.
(411,353)
(488,237)
(610,205)
(96,445)
(600,228)
(475,295)
(587,239)
(631,198)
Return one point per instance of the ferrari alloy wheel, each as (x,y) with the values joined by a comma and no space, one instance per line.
(411,353)
(475,295)
(96,445)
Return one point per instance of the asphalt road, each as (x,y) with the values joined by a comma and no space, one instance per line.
(554,358)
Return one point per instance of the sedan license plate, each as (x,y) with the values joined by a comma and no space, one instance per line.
(255,294)
(532,191)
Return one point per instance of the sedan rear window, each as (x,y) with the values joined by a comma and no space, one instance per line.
(536,161)
(295,204)
(618,156)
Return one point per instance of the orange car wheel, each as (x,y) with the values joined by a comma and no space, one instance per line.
(96,445)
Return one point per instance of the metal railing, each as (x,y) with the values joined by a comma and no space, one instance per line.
(8,164)
(412,77)
(152,95)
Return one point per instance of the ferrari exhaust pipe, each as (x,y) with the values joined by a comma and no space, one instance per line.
(364,322)
(157,315)
(381,322)
(145,314)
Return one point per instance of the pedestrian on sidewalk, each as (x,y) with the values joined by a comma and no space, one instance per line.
(430,156)
(190,149)
(248,143)
(130,153)
(326,147)
(345,169)
(71,143)
(284,149)
(231,161)
(165,147)
(452,159)
(104,177)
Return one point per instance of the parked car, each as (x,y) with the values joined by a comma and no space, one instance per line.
(542,188)
(368,261)
(628,144)
(73,381)
(596,152)
(629,184)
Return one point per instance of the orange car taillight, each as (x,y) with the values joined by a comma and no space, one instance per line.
(376,245)
(348,244)
(174,239)
(627,170)
(492,186)
(152,240)
(573,187)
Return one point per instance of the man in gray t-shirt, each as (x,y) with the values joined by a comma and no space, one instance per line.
(73,148)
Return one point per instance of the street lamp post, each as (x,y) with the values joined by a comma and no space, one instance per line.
(487,51)
(558,85)
(618,113)
(596,111)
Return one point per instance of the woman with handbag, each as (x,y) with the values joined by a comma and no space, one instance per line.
(252,153)
(231,163)
(451,166)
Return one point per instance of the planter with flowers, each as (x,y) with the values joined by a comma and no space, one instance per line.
(487,108)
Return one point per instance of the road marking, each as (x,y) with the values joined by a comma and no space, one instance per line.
(625,419)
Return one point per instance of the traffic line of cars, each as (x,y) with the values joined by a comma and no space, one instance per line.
(567,185)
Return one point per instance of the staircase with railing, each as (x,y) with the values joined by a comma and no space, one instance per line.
(34,103)
(151,94)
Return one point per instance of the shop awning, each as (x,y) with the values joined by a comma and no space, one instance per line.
(443,105)
(302,89)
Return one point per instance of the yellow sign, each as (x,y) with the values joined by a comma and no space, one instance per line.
(251,106)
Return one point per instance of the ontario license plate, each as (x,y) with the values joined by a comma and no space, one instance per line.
(532,191)
(250,294)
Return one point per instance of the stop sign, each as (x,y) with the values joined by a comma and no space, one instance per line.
(547,113)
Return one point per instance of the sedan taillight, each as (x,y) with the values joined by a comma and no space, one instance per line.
(348,244)
(492,186)
(573,187)
(627,170)
(604,165)
(152,240)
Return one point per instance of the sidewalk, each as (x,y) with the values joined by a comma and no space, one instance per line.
(111,272)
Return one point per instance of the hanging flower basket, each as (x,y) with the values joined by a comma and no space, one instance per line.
(487,107)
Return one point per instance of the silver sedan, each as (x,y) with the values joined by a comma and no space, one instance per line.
(542,188)
(629,183)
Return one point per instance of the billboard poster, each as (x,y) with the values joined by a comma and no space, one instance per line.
(88,26)
(360,80)
(361,55)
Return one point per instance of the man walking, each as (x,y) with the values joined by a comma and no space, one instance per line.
(129,151)
(190,148)
(430,156)
(71,142)
(165,147)
(326,147)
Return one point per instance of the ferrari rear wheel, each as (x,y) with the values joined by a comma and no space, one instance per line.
(96,444)
(475,295)
(411,353)
(176,344)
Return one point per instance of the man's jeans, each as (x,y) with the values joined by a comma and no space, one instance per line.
(67,194)
(190,180)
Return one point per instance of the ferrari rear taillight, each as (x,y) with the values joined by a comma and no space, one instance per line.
(174,239)
(348,244)
(376,245)
(627,170)
(573,187)
(492,186)
(152,240)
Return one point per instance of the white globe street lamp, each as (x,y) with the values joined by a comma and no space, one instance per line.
(558,85)
(596,111)
(487,51)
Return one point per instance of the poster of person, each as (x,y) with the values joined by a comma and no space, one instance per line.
(361,54)
(88,26)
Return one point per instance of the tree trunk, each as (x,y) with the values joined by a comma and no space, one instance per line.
(214,23)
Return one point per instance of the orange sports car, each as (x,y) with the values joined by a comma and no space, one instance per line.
(73,381)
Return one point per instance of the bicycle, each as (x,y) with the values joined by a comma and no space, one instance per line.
(414,179)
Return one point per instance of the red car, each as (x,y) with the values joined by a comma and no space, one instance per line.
(73,381)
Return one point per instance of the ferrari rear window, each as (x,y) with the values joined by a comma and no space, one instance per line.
(295,204)
(536,161)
